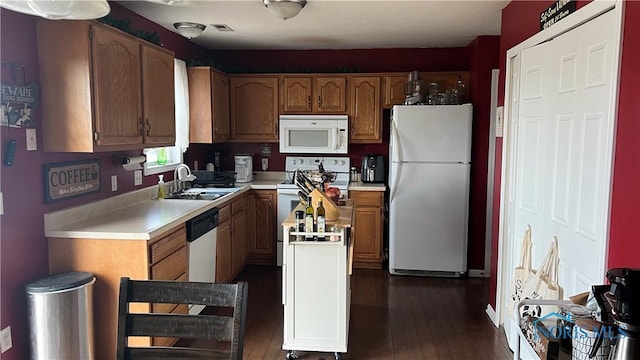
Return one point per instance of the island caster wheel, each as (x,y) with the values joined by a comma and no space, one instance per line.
(338,356)
(291,355)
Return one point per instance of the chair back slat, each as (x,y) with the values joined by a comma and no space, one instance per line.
(153,353)
(227,327)
(181,326)
(183,293)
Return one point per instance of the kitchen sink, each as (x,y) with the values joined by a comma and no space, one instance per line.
(202,194)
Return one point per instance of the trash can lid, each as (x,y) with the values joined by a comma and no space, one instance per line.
(59,282)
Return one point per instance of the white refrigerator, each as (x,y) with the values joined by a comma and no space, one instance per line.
(430,161)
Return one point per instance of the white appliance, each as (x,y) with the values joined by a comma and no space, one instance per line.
(314,134)
(430,154)
(244,168)
(287,191)
(201,242)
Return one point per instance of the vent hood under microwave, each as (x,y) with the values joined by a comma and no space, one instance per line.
(314,134)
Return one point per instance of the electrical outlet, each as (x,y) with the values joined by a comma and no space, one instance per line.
(137,177)
(5,339)
(265,164)
(114,182)
(32,144)
(1,204)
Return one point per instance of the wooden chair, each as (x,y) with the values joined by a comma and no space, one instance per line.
(221,328)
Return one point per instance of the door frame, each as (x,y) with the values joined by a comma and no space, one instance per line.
(581,16)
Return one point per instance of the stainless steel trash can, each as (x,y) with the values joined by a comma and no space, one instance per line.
(61,316)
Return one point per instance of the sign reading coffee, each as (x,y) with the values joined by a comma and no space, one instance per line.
(71,179)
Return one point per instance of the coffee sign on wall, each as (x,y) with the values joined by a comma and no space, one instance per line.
(71,179)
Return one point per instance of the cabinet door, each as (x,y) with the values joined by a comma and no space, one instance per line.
(394,90)
(220,100)
(158,97)
(367,225)
(238,242)
(254,109)
(296,94)
(331,94)
(365,110)
(117,89)
(261,225)
(223,252)
(201,97)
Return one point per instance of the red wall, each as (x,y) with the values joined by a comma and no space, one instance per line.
(519,22)
(23,247)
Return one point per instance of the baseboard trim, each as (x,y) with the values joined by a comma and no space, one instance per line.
(478,273)
(492,315)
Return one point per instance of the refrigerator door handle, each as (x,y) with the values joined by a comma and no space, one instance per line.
(398,156)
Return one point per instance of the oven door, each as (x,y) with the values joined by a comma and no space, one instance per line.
(287,201)
(310,134)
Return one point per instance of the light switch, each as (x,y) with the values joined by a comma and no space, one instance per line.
(265,164)
(32,143)
(114,182)
(137,177)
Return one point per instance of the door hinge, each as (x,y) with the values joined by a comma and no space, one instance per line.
(91,32)
(95,136)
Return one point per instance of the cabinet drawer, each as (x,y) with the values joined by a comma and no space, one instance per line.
(224,213)
(366,198)
(171,267)
(167,245)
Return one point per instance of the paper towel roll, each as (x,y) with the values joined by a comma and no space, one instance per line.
(133,163)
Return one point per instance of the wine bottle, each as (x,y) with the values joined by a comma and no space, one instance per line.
(309,219)
(320,219)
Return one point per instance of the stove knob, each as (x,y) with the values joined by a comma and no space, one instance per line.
(335,162)
(343,162)
(301,161)
(293,162)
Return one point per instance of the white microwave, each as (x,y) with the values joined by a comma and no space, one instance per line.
(314,134)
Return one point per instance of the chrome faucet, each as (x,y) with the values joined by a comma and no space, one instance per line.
(180,177)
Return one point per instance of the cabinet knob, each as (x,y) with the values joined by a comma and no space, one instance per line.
(148,127)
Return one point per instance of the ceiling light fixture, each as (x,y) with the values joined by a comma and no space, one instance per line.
(189,30)
(59,9)
(285,9)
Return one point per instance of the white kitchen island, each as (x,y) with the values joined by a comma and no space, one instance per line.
(316,291)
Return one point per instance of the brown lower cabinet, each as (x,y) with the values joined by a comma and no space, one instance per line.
(262,227)
(231,240)
(161,258)
(368,227)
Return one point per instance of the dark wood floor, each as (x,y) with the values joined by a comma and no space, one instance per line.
(392,317)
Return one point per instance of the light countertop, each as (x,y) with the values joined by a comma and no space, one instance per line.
(360,186)
(136,215)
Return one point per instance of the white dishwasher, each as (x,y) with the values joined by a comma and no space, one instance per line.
(201,240)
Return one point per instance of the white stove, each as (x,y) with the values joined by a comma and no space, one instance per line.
(288,191)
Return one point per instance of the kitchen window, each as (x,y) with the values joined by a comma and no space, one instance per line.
(165,159)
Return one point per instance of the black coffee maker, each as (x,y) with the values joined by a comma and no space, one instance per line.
(624,298)
(372,169)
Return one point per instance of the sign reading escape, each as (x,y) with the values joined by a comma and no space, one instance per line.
(71,179)
(559,10)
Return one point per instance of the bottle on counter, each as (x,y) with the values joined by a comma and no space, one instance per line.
(299,224)
(320,220)
(161,189)
(308,219)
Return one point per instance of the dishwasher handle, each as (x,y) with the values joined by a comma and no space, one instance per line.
(202,224)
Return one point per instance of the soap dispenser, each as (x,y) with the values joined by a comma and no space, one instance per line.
(161,189)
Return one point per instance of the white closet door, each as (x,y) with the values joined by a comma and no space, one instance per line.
(563,135)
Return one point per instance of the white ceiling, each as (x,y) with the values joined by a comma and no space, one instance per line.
(333,24)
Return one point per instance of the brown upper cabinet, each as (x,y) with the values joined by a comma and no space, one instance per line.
(365,110)
(103,89)
(254,108)
(394,84)
(314,94)
(208,105)
(394,89)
